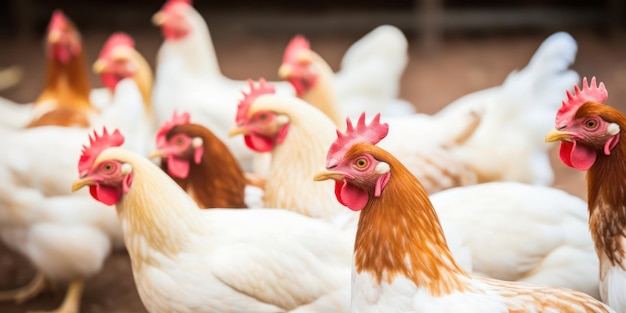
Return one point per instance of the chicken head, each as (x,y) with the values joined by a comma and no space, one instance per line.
(358,175)
(583,128)
(262,130)
(63,40)
(177,148)
(107,180)
(172,19)
(298,65)
(115,62)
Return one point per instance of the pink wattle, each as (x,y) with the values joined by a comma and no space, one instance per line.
(177,167)
(175,32)
(105,194)
(259,143)
(577,156)
(354,198)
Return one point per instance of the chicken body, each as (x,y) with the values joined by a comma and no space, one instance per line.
(521,232)
(190,260)
(516,115)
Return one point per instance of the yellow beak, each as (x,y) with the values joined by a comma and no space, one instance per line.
(157,154)
(556,135)
(238,131)
(82,183)
(158,18)
(284,71)
(99,66)
(326,175)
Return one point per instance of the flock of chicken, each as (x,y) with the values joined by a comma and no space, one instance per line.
(454,212)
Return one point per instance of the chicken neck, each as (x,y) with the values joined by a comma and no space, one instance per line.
(399,234)
(607,200)
(67,84)
(155,213)
(295,161)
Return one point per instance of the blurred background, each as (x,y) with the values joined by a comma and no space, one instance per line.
(456,47)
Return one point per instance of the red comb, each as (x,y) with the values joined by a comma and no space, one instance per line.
(114,41)
(590,92)
(169,4)
(264,88)
(177,119)
(57,21)
(97,144)
(297,44)
(372,133)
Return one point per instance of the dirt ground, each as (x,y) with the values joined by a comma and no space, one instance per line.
(431,81)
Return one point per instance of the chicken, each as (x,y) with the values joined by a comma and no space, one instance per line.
(189,260)
(296,134)
(127,74)
(67,82)
(66,85)
(368,81)
(401,260)
(522,232)
(202,165)
(590,133)
(66,237)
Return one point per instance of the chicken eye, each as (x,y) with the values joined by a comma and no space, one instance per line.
(361,163)
(179,141)
(591,124)
(263,117)
(108,168)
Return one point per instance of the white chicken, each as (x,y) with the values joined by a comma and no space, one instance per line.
(189,260)
(401,259)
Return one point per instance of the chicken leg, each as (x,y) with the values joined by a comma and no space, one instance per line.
(25,293)
(71,303)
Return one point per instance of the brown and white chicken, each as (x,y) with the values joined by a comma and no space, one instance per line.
(401,259)
(591,140)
